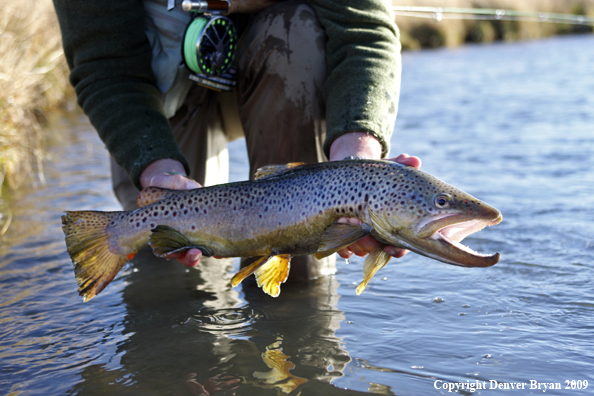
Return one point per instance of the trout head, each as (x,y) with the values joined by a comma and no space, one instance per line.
(430,217)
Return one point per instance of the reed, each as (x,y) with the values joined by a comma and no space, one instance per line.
(33,83)
(426,33)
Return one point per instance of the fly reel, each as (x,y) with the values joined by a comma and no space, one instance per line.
(209,45)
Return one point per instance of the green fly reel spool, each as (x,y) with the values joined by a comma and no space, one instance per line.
(209,45)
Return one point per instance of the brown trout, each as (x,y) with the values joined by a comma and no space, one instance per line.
(289,210)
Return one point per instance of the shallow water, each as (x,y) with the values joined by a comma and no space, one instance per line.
(510,123)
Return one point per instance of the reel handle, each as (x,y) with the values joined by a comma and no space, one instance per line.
(202,6)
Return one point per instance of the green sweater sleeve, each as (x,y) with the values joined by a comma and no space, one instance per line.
(110,61)
(364,66)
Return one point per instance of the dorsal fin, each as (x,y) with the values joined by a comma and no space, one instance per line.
(275,170)
(150,195)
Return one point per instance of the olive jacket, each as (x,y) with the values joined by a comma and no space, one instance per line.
(110,60)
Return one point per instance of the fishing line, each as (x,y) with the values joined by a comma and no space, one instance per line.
(210,41)
(209,44)
(440,13)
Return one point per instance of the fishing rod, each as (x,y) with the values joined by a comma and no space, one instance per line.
(439,13)
(210,40)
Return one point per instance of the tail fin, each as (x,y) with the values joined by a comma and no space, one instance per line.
(87,242)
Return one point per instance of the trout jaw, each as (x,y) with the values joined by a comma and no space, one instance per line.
(440,239)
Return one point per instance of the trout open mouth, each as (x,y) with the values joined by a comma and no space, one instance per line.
(445,235)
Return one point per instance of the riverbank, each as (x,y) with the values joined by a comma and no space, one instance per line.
(33,84)
(429,32)
(34,75)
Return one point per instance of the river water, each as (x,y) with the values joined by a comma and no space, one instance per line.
(512,124)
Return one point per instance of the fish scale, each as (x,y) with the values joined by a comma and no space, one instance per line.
(288,211)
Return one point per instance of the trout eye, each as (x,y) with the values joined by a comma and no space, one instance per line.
(442,201)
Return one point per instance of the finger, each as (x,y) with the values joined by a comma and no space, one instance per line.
(345,253)
(357,250)
(191,258)
(349,220)
(407,160)
(364,246)
(191,184)
(395,252)
(173,182)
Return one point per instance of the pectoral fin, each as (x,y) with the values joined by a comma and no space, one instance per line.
(340,235)
(166,240)
(373,262)
(382,229)
(270,275)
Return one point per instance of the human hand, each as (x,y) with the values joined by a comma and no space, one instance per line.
(169,173)
(360,144)
(366,245)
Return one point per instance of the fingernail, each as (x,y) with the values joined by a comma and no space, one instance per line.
(194,256)
(392,251)
(191,184)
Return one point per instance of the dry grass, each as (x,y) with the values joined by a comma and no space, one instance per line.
(421,33)
(33,73)
(33,82)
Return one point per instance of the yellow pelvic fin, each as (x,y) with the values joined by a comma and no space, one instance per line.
(270,275)
(166,240)
(247,271)
(150,195)
(340,235)
(376,260)
(275,170)
(87,242)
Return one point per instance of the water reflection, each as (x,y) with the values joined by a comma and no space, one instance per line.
(161,329)
(189,332)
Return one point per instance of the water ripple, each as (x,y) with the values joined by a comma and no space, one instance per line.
(225,319)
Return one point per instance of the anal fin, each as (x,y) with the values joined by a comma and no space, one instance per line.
(247,271)
(340,235)
(375,261)
(270,275)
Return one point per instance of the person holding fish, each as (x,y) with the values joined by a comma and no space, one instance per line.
(316,80)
